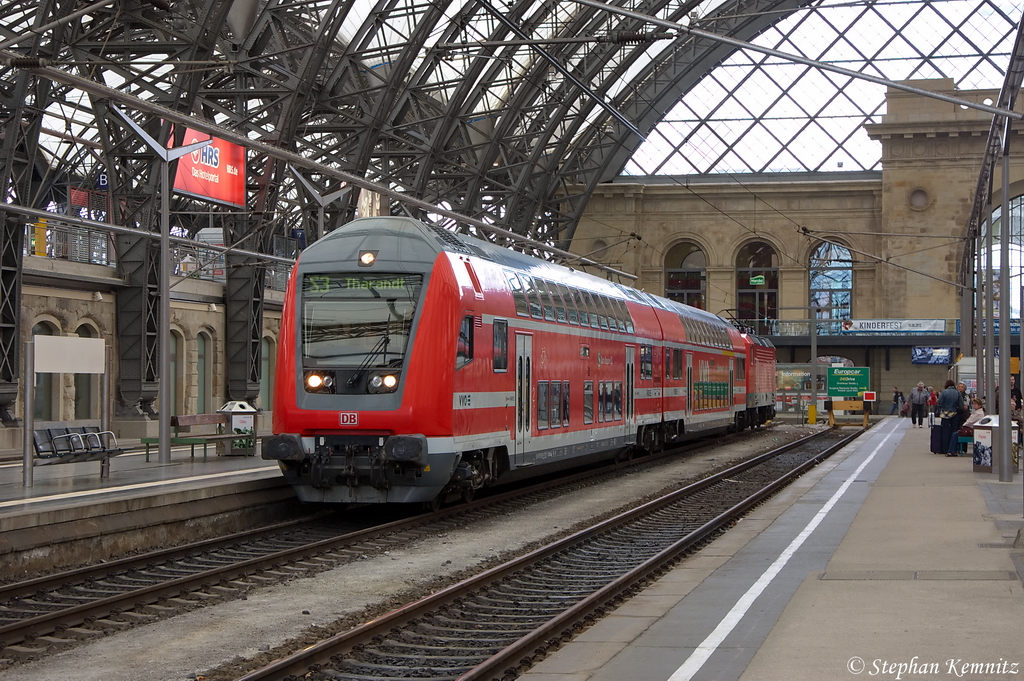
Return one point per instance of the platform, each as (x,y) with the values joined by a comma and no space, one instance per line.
(92,518)
(885,562)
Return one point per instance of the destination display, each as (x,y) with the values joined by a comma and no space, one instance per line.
(344,282)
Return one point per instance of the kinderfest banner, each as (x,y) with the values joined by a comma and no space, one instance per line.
(894,326)
(215,172)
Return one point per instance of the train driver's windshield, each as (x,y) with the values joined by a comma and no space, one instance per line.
(357,320)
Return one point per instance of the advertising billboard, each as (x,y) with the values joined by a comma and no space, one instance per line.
(215,172)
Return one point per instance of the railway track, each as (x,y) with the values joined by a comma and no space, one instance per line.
(492,626)
(52,613)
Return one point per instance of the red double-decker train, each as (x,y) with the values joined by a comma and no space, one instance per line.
(417,365)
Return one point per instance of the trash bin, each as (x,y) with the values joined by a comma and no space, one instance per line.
(983,443)
(241,420)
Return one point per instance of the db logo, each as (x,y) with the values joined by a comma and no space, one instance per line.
(350,418)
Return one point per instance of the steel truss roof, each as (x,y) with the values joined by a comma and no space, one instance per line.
(509,112)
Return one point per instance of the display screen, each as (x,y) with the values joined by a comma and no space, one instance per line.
(920,355)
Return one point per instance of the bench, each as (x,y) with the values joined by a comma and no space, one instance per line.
(74,444)
(187,421)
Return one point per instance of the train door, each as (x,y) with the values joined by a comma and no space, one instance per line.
(524,403)
(628,415)
(732,385)
(689,384)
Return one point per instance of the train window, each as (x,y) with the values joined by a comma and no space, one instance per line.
(741,369)
(627,317)
(602,401)
(464,350)
(617,400)
(565,403)
(668,362)
(581,307)
(532,296)
(545,295)
(542,405)
(560,315)
(500,345)
(602,314)
(556,404)
(677,363)
(646,362)
(613,314)
(588,402)
(592,308)
(622,315)
(564,311)
(518,295)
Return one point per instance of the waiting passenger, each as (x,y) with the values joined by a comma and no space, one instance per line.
(967,430)
(946,407)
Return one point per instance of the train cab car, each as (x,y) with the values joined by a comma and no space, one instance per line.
(415,365)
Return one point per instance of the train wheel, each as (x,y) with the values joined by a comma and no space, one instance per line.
(468,494)
(432,505)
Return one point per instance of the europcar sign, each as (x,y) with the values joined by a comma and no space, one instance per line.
(848,382)
(215,172)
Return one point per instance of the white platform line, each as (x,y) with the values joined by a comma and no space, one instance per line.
(710,644)
(126,488)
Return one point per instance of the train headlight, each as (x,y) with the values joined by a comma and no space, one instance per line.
(318,381)
(384,382)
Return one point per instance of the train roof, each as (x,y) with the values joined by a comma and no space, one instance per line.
(433,240)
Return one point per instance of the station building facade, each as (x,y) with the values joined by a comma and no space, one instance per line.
(880,251)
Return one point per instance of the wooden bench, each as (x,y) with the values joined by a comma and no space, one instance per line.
(74,444)
(187,421)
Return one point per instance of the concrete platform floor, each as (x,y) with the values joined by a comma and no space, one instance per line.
(886,562)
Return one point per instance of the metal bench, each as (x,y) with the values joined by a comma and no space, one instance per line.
(74,444)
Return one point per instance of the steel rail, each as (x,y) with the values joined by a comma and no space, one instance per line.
(300,663)
(53,622)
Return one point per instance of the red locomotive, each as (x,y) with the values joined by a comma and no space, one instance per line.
(415,365)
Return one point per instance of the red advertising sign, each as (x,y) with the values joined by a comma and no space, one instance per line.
(215,172)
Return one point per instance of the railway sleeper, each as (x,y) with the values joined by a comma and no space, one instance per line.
(112,625)
(364,670)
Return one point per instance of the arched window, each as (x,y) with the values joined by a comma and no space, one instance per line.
(86,386)
(831,286)
(686,275)
(757,286)
(203,363)
(45,408)
(267,365)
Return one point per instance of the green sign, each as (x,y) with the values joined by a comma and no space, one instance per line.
(848,382)
(757,280)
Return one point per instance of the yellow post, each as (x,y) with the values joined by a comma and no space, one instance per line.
(812,413)
(39,247)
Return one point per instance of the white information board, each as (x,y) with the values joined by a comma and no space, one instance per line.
(69,355)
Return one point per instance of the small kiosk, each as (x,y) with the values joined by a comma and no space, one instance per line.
(240,418)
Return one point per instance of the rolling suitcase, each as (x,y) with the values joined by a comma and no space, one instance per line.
(938,446)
